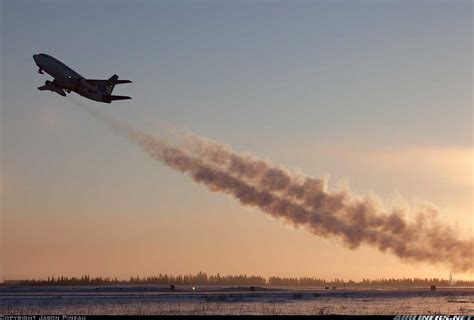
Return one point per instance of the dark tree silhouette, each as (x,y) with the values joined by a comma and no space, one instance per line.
(201,278)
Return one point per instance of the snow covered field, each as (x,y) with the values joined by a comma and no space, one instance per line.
(156,299)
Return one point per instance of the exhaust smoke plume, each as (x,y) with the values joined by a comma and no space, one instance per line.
(305,201)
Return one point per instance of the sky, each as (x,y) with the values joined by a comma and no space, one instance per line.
(375,95)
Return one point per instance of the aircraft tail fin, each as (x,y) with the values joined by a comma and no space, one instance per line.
(113,80)
(107,86)
(111,84)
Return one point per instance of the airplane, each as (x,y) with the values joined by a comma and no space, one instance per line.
(67,80)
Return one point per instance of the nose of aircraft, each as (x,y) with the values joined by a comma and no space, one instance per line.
(35,57)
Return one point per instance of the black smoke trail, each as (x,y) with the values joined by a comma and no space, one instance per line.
(305,201)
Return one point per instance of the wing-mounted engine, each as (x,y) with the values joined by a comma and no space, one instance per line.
(51,86)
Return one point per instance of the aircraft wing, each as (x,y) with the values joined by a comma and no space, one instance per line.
(51,86)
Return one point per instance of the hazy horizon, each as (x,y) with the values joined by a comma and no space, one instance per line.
(376,97)
(153,277)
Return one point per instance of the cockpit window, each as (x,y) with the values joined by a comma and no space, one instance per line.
(43,55)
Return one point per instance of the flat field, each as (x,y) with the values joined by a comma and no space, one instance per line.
(159,300)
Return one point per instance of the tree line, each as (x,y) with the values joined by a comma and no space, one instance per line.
(202,278)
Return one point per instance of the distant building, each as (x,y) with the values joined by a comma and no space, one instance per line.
(452,282)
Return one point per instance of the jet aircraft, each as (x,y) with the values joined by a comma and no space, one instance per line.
(67,80)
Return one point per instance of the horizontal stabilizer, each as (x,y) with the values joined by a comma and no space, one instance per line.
(114,79)
(113,98)
(122,81)
(111,81)
(119,97)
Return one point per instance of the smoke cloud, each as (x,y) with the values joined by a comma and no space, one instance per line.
(305,201)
